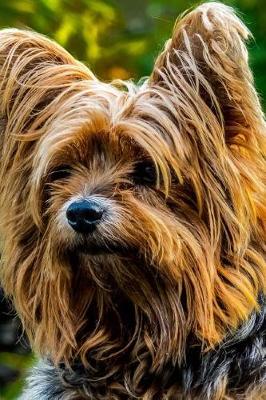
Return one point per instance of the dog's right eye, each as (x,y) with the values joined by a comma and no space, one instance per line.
(59,173)
(145,173)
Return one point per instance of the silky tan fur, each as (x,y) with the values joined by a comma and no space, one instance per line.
(175,309)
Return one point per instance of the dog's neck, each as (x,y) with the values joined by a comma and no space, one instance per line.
(233,368)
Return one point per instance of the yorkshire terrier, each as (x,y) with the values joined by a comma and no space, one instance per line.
(133,218)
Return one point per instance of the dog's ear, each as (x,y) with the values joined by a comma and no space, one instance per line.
(206,59)
(202,80)
(33,69)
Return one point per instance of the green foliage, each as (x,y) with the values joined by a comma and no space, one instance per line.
(18,362)
(118,39)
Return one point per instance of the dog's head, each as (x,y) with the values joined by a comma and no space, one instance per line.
(133,216)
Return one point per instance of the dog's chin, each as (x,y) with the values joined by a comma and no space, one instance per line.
(98,250)
(94,249)
(85,257)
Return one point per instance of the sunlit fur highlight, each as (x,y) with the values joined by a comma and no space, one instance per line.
(198,236)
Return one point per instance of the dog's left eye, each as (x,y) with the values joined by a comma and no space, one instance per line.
(145,173)
(60,172)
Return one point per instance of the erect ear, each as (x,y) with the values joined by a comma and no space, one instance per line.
(203,82)
(207,55)
(32,69)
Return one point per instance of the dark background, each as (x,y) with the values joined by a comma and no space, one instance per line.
(116,39)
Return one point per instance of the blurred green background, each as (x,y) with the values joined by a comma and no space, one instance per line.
(117,39)
(120,38)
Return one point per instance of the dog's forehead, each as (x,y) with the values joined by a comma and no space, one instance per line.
(104,123)
(104,120)
(96,142)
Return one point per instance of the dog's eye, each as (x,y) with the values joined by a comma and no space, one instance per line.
(145,173)
(60,172)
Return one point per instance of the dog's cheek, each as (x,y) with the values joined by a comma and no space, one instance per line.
(152,229)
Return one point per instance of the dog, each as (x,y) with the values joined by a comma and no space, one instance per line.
(133,218)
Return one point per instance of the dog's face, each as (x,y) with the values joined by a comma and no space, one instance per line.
(101,182)
(133,217)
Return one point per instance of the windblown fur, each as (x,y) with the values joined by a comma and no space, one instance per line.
(173,306)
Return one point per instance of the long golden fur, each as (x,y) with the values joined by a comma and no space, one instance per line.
(188,253)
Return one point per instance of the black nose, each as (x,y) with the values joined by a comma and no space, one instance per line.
(84,215)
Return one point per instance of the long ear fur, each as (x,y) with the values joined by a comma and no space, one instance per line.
(36,77)
(208,49)
(31,68)
(203,75)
